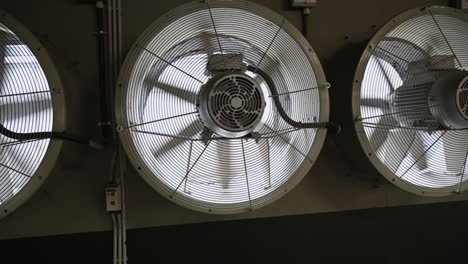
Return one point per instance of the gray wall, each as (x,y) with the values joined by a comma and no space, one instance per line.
(72,199)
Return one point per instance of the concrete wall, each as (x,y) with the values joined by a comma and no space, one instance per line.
(72,199)
(432,233)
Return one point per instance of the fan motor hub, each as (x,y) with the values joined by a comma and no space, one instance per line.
(410,102)
(462,98)
(439,102)
(231,104)
(448,99)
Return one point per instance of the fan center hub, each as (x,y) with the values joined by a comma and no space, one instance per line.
(449,100)
(236,102)
(231,104)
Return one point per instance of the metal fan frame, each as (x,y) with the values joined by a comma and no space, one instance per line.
(59,113)
(356,96)
(146,37)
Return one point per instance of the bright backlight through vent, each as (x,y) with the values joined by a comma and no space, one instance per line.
(409,101)
(26,106)
(198,117)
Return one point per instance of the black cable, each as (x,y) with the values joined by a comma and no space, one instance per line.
(333,128)
(45,135)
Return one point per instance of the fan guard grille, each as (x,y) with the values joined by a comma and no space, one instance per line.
(236,103)
(27,105)
(399,121)
(166,138)
(463,99)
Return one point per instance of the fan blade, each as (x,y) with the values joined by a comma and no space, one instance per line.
(375,102)
(208,42)
(399,53)
(387,77)
(381,132)
(455,151)
(224,155)
(436,40)
(266,164)
(396,147)
(203,43)
(190,131)
(272,69)
(418,149)
(437,62)
(25,107)
(185,95)
(141,99)
(158,69)
(378,138)
(443,62)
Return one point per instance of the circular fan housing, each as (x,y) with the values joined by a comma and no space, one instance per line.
(409,101)
(202,100)
(31,100)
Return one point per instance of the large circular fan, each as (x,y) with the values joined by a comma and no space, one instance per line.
(222,105)
(30,102)
(410,101)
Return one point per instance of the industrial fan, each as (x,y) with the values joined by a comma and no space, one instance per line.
(410,101)
(30,101)
(222,106)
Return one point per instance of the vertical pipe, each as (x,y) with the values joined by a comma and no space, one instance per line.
(119,239)
(119,26)
(114,21)
(114,228)
(122,170)
(101,49)
(109,44)
(122,161)
(110,87)
(114,41)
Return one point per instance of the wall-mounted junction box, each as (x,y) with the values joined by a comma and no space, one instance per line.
(113,198)
(303,3)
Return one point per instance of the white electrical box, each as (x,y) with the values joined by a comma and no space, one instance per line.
(303,3)
(462,4)
(113,199)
